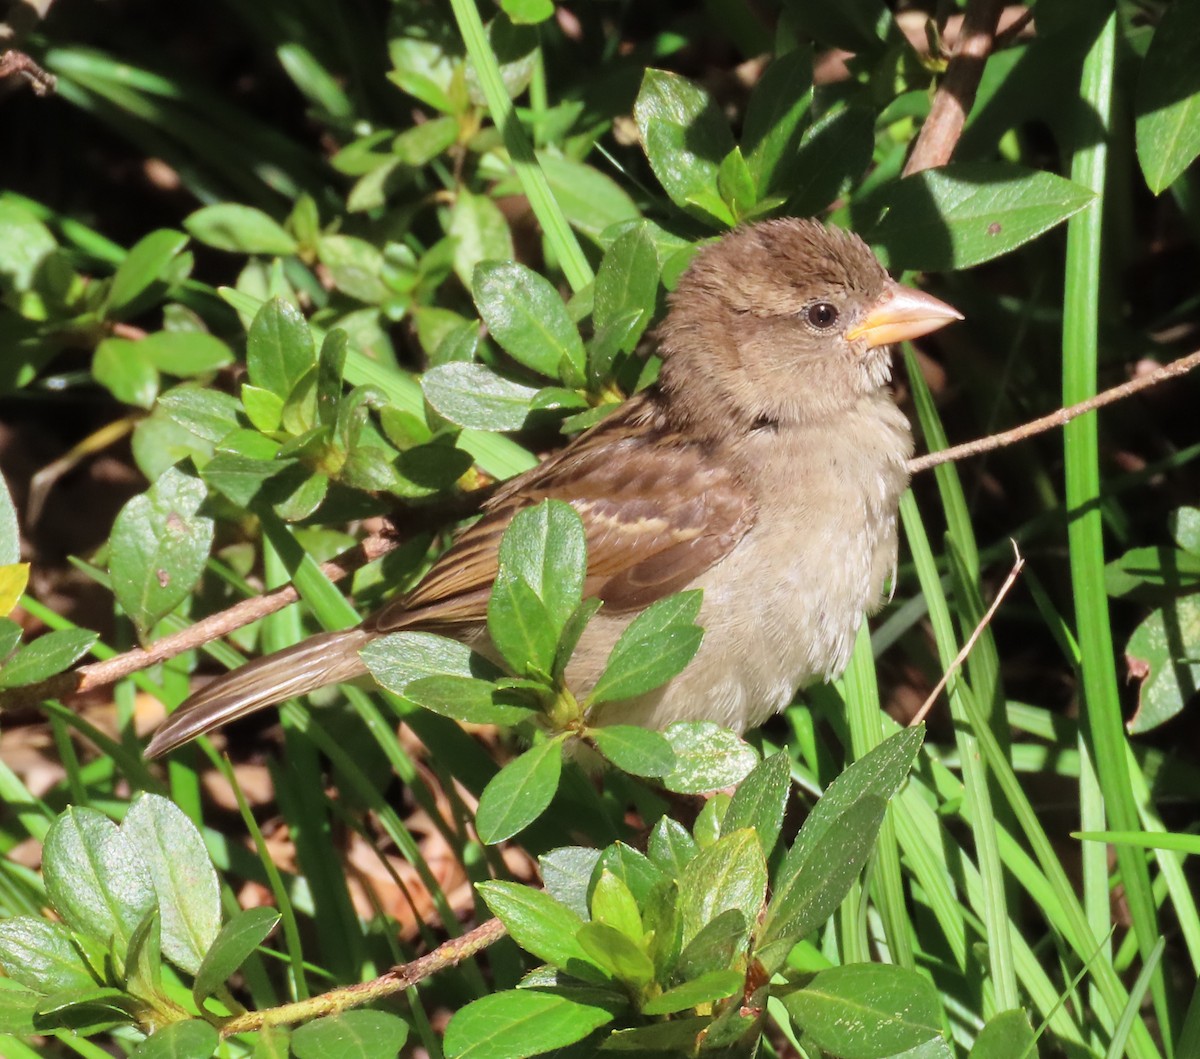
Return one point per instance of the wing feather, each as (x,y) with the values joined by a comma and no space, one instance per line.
(658,510)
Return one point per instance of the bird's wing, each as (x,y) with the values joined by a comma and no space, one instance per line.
(657,508)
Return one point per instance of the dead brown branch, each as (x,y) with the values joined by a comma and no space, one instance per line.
(963,654)
(1056,419)
(956,94)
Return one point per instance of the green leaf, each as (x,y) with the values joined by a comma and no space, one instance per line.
(190,1039)
(120,366)
(969,212)
(670,847)
(519,793)
(542,926)
(10,533)
(472,395)
(263,408)
(279,348)
(707,757)
(185,353)
(241,229)
(657,645)
(468,699)
(1157,568)
(626,282)
(351,1035)
(613,903)
(232,946)
(143,266)
(399,658)
(10,632)
(833,154)
(480,232)
(707,989)
(707,828)
(718,945)
(447,336)
(86,1012)
(545,547)
(159,546)
(736,185)
(373,187)
(775,118)
(635,750)
(144,958)
(527,317)
(355,266)
(591,200)
(206,413)
(867,1010)
(424,70)
(185,881)
(1168,97)
(1163,655)
(542,564)
(1185,528)
(678,1037)
(760,800)
(520,627)
(664,931)
(685,137)
(95,878)
(571,634)
(240,478)
(49,654)
(331,364)
(528,12)
(41,954)
(731,873)
(617,954)
(25,243)
(521,1022)
(421,144)
(833,845)
(603,349)
(305,221)
(17,1006)
(567,873)
(1007,1035)
(634,869)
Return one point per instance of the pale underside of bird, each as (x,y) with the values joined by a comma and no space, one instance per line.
(764,468)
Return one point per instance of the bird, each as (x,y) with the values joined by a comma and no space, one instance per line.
(764,466)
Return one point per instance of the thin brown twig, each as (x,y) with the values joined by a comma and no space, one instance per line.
(17,62)
(217,625)
(961,657)
(206,630)
(1056,419)
(395,980)
(1013,30)
(956,94)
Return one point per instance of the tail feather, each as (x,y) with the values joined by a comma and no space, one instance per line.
(328,658)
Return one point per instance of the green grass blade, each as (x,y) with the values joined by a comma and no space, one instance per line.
(866,720)
(545,207)
(1081,313)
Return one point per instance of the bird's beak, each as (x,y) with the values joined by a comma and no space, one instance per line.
(902,313)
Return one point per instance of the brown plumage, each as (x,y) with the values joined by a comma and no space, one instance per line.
(765,468)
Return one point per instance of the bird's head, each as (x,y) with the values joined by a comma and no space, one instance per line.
(786,321)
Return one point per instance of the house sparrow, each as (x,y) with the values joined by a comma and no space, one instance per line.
(764,467)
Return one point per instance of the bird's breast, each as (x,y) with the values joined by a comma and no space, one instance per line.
(782,609)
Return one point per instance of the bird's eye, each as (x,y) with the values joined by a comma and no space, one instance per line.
(822,315)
